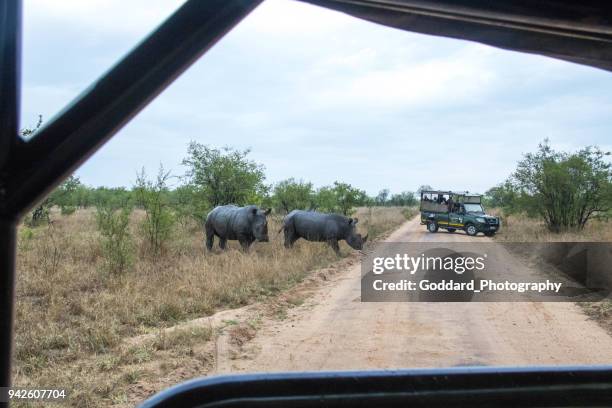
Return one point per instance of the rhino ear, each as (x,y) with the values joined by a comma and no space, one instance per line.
(268,211)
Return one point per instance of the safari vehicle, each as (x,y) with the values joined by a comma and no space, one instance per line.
(456,210)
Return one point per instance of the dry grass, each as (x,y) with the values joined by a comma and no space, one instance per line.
(73,316)
(516,228)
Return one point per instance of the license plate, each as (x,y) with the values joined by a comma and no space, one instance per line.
(493,228)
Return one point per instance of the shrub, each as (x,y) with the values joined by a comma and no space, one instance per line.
(159,220)
(116,241)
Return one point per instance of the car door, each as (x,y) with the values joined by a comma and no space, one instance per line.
(456,217)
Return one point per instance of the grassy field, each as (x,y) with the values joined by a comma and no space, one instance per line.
(516,228)
(73,317)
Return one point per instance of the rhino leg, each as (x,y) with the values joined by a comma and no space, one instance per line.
(222,242)
(245,243)
(210,236)
(290,237)
(334,244)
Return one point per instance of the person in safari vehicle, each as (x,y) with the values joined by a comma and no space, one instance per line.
(456,210)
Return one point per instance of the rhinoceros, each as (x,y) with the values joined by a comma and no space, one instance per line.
(316,226)
(245,224)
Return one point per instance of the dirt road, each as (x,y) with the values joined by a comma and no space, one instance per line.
(333,330)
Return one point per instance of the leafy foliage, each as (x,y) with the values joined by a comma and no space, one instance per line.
(382,197)
(224,176)
(64,196)
(403,199)
(213,177)
(565,189)
(289,195)
(117,245)
(340,198)
(152,196)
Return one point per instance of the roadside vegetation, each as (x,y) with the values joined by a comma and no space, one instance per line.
(99,267)
(520,228)
(556,196)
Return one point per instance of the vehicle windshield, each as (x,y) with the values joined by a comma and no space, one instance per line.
(253,217)
(473,208)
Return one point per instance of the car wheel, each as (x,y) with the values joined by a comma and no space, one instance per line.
(432,226)
(451,230)
(471,230)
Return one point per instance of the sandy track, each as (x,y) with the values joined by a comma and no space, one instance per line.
(333,330)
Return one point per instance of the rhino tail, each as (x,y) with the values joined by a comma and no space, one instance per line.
(286,222)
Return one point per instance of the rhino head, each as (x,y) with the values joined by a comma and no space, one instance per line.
(354,239)
(259,224)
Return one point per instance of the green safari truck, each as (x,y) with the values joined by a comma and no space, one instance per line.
(452,211)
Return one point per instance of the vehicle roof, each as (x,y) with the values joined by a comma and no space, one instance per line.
(463,193)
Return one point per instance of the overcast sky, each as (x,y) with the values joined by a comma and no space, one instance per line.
(320,96)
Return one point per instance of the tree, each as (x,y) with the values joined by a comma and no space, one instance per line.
(403,199)
(566,189)
(113,196)
(348,197)
(224,176)
(382,197)
(423,187)
(340,198)
(504,196)
(289,195)
(65,195)
(188,204)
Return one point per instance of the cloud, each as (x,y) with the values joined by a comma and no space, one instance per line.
(321,96)
(274,17)
(103,17)
(437,82)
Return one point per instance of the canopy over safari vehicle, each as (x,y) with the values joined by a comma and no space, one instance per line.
(580,32)
(452,210)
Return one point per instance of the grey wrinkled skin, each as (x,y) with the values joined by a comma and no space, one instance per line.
(245,224)
(320,227)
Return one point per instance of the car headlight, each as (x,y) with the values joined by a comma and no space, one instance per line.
(480,219)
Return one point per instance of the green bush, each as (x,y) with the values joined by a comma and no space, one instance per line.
(289,195)
(117,245)
(40,214)
(341,198)
(153,198)
(225,176)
